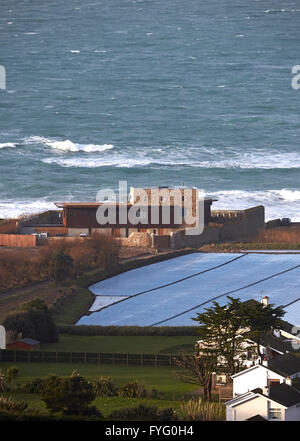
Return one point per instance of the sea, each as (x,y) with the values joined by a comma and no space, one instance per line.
(152,92)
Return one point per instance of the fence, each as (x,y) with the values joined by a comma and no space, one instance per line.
(18,240)
(153,360)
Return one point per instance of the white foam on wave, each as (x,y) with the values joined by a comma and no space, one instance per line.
(67,145)
(98,162)
(5,145)
(253,160)
(12,209)
(276,202)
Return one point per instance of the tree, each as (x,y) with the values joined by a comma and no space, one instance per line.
(35,321)
(71,395)
(259,319)
(197,370)
(222,334)
(230,330)
(61,267)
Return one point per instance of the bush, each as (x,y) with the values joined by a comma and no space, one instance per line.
(34,386)
(34,321)
(70,396)
(104,387)
(7,404)
(143,412)
(199,410)
(133,389)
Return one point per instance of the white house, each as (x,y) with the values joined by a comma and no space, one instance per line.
(266,391)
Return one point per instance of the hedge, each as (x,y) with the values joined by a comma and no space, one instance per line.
(86,330)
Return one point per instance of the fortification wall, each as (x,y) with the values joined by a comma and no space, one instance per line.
(288,234)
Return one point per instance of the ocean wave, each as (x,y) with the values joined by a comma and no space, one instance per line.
(257,160)
(96,162)
(277,203)
(12,209)
(67,145)
(5,145)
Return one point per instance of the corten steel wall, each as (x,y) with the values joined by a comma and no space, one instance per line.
(85,217)
(18,240)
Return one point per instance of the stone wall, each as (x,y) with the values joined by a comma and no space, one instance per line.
(137,240)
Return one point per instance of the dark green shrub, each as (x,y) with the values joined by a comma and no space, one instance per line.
(143,412)
(104,387)
(34,321)
(71,395)
(156,394)
(133,389)
(34,386)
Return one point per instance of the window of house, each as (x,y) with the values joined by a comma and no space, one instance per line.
(275,413)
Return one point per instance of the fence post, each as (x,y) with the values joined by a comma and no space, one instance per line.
(155,360)
(127,359)
(170,360)
(84,358)
(71,359)
(99,358)
(113,358)
(142,361)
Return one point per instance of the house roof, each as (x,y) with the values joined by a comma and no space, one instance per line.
(285,364)
(282,394)
(285,395)
(256,417)
(30,341)
(279,344)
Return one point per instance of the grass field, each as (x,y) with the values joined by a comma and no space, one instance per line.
(122,344)
(162,379)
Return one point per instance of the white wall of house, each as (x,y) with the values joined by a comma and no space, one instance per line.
(256,406)
(260,406)
(292,413)
(252,379)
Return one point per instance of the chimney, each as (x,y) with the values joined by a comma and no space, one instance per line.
(265,361)
(265,390)
(288,381)
(265,301)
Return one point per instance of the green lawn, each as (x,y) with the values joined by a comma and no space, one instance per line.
(162,379)
(122,344)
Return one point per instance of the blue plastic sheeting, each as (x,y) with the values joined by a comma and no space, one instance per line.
(151,276)
(159,305)
(102,301)
(293,313)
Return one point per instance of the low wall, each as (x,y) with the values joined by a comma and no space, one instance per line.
(241,227)
(288,234)
(18,240)
(181,240)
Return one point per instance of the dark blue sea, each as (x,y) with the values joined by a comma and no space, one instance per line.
(155,92)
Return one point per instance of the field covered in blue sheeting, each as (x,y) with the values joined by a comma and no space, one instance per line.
(170,293)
